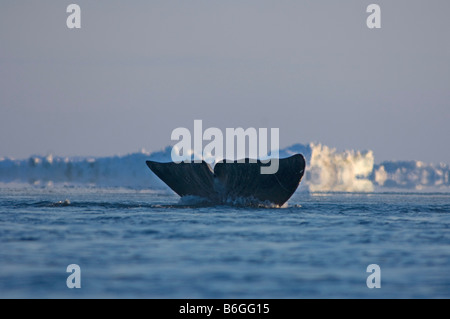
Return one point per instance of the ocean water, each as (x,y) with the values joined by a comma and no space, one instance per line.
(146,244)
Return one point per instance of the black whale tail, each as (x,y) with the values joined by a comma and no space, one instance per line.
(233,180)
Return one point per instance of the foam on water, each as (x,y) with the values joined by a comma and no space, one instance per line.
(197,201)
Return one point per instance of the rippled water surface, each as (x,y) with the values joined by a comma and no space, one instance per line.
(143,244)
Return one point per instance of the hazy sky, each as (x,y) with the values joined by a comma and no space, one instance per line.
(136,70)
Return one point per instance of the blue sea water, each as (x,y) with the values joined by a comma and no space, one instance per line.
(146,244)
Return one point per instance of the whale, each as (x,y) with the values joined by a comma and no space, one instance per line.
(233,180)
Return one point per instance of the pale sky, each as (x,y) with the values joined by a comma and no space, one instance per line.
(136,70)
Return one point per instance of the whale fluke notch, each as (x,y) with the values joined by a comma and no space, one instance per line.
(233,180)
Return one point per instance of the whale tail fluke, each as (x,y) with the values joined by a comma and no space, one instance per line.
(233,180)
